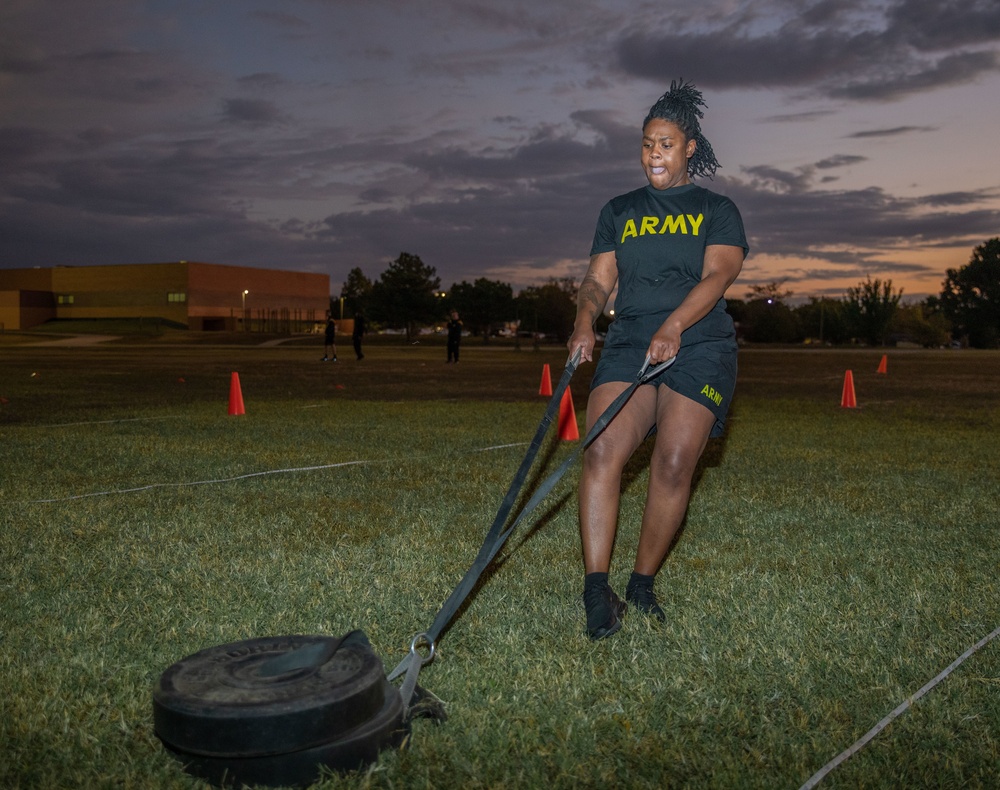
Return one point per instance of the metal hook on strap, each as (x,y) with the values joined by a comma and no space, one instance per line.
(411,667)
(419,639)
(646,375)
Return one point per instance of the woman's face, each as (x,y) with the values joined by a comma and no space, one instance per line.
(665,154)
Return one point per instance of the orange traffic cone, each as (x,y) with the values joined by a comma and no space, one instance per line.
(847,400)
(546,386)
(883,366)
(569,431)
(235,395)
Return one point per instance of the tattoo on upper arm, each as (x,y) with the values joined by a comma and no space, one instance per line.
(592,295)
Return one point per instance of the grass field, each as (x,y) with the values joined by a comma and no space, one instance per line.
(832,562)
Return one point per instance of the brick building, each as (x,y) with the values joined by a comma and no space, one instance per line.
(199,296)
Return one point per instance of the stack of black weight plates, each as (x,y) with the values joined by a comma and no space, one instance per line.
(226,715)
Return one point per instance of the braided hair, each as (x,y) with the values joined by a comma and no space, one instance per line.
(681,105)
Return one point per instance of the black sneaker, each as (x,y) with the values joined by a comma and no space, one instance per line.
(604,611)
(642,597)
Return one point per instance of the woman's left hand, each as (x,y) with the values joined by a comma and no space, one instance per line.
(665,344)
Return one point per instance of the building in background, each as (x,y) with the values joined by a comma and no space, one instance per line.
(199,296)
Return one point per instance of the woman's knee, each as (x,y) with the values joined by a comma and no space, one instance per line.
(604,456)
(672,466)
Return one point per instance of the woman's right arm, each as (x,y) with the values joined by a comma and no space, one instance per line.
(591,299)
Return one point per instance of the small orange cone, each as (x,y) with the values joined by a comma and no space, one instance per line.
(546,387)
(569,431)
(235,395)
(847,400)
(883,366)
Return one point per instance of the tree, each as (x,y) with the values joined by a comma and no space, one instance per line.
(482,304)
(823,319)
(770,292)
(768,321)
(921,324)
(549,308)
(356,291)
(970,298)
(764,317)
(405,294)
(870,307)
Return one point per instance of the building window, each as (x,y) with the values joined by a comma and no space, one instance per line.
(177,296)
(64,299)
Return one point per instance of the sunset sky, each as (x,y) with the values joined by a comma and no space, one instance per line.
(858,137)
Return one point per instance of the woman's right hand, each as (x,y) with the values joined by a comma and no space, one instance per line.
(583,340)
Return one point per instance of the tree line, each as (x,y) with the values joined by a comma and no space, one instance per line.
(408,296)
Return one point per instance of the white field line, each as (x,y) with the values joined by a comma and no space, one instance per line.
(110,422)
(868,736)
(264,473)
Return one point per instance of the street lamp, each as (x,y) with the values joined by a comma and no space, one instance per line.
(245,292)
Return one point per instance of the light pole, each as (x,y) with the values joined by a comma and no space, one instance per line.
(244,318)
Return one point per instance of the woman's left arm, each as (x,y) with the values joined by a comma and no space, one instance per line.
(721,267)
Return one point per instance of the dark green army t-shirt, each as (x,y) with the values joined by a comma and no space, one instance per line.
(659,239)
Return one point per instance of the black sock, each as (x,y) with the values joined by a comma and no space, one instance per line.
(640,580)
(595,580)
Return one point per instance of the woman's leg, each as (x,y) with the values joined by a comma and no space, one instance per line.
(603,462)
(600,489)
(682,431)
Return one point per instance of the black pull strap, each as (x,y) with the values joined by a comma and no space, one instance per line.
(309,656)
(413,662)
(495,537)
(645,374)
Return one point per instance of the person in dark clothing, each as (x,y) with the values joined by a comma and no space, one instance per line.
(454,336)
(358,333)
(330,340)
(671,248)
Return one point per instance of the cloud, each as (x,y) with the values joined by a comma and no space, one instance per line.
(262,80)
(932,25)
(20,66)
(958,69)
(893,132)
(882,52)
(19,144)
(785,216)
(798,117)
(253,111)
(840,160)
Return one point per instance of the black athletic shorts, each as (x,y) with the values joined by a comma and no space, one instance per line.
(705,369)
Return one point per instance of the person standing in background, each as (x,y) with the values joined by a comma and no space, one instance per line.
(330,339)
(454,336)
(358,333)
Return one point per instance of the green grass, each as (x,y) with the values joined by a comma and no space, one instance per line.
(832,562)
